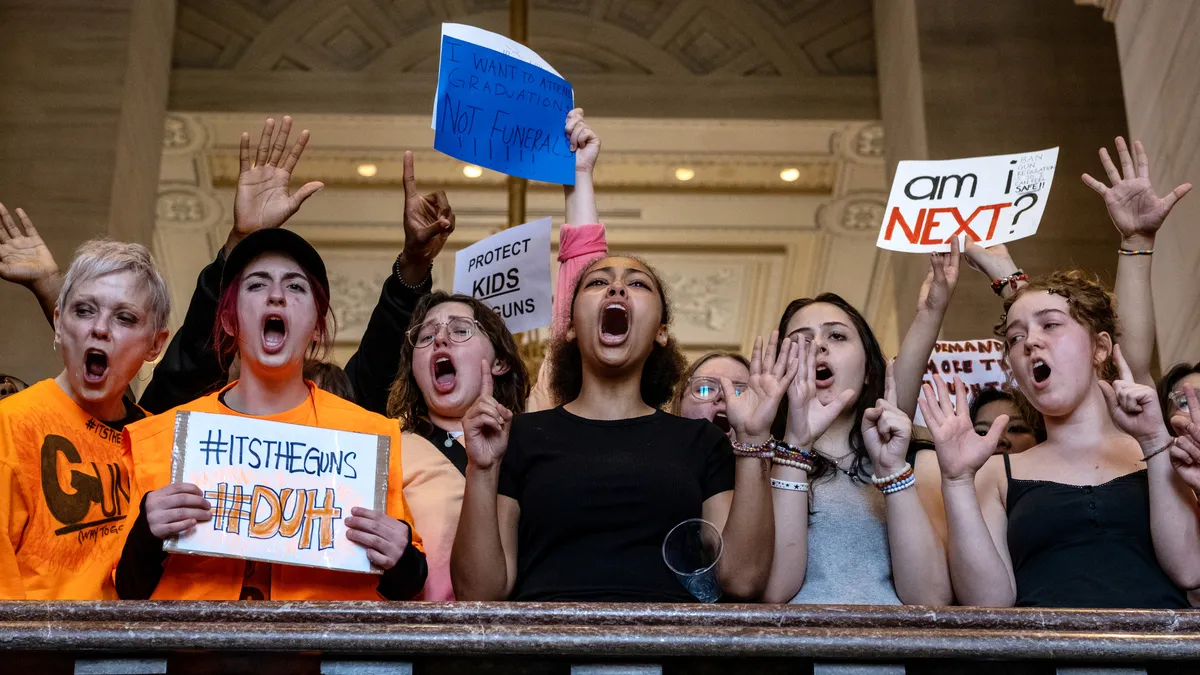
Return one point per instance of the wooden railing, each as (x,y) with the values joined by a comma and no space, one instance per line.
(268,638)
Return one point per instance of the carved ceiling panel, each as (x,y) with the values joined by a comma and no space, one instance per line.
(750,38)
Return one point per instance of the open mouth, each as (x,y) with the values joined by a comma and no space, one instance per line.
(274,334)
(1041,371)
(444,373)
(722,422)
(95,365)
(614,324)
(824,375)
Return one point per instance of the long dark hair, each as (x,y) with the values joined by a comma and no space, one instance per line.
(663,366)
(407,403)
(1167,383)
(872,389)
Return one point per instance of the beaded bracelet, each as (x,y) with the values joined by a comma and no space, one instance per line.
(794,463)
(1140,251)
(760,451)
(785,450)
(899,485)
(789,485)
(894,477)
(1010,280)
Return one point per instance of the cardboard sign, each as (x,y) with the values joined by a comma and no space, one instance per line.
(279,492)
(978,363)
(510,272)
(502,108)
(991,200)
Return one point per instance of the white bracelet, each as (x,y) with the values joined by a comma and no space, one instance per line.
(789,485)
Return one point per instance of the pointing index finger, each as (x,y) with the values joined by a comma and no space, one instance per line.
(1122,366)
(410,176)
(486,372)
(889,382)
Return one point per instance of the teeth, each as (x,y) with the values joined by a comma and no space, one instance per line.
(443,359)
(615,306)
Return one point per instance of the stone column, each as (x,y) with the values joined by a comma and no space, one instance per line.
(83,92)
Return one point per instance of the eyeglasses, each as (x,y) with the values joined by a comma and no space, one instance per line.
(705,389)
(459,328)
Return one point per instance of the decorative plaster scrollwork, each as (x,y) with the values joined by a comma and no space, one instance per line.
(180,207)
(176,134)
(703,301)
(868,142)
(863,215)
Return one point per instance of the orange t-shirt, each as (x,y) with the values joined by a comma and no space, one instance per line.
(65,498)
(196,577)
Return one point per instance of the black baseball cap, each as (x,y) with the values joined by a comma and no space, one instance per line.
(274,240)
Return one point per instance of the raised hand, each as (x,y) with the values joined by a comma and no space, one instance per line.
(887,430)
(808,418)
(24,258)
(384,537)
(584,142)
(1134,206)
(175,509)
(1185,453)
(262,199)
(428,222)
(940,280)
(751,412)
(1134,407)
(994,261)
(486,426)
(960,451)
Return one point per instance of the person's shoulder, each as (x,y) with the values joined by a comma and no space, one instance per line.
(352,417)
(155,425)
(34,397)
(698,427)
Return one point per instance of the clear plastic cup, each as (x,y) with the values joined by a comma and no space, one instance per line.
(692,550)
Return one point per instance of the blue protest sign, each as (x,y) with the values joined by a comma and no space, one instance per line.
(502,113)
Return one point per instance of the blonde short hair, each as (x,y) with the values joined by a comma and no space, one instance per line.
(100,257)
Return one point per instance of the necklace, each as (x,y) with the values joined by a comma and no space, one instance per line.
(836,462)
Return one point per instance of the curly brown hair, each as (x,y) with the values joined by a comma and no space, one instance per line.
(663,366)
(405,401)
(1089,302)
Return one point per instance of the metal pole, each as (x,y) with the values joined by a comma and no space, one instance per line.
(518,30)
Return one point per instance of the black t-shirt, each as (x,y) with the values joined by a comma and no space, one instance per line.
(598,497)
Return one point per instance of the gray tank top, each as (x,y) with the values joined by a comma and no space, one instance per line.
(848,558)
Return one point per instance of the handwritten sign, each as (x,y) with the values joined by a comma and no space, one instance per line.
(510,272)
(279,492)
(978,363)
(500,108)
(991,200)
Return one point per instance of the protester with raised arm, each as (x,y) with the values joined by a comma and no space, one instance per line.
(869,538)
(273,313)
(1069,522)
(65,489)
(573,503)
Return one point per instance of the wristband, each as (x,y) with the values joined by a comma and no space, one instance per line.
(1011,280)
(789,485)
(903,484)
(1139,251)
(760,451)
(1148,455)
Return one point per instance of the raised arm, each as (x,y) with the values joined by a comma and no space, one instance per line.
(1137,212)
(980,566)
(808,419)
(918,557)
(190,367)
(483,563)
(25,260)
(749,530)
(581,198)
(428,223)
(1174,513)
(932,302)
(996,263)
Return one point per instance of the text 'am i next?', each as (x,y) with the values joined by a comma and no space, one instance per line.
(987,200)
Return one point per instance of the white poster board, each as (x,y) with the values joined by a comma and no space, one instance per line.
(978,363)
(510,272)
(279,492)
(991,200)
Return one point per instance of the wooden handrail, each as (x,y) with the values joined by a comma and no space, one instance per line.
(613,630)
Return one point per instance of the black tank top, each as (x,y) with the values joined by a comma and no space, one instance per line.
(1086,546)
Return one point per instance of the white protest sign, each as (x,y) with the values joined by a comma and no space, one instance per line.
(992,200)
(490,40)
(279,492)
(510,272)
(978,363)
